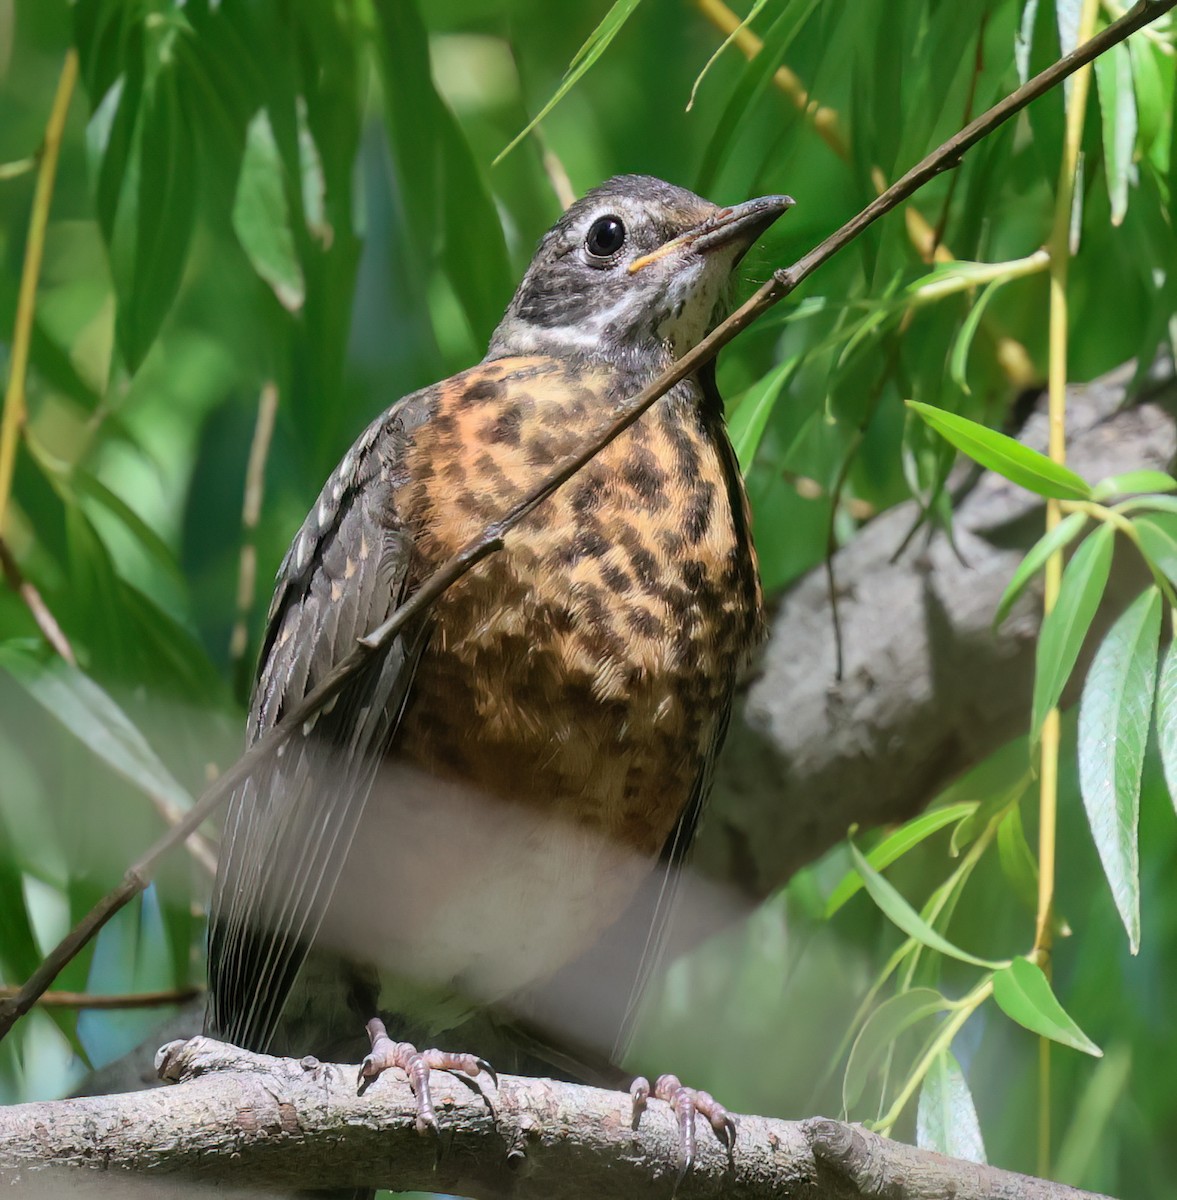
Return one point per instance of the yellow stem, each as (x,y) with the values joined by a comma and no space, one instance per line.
(1060,248)
(14,397)
(965,1007)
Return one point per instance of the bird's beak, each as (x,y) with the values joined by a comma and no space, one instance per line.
(738,226)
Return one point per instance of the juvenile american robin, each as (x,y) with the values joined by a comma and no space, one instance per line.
(526,763)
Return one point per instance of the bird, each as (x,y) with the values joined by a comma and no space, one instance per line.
(527,761)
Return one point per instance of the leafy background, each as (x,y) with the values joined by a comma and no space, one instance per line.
(307,202)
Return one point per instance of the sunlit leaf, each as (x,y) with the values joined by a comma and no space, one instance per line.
(449,209)
(878,1033)
(896,844)
(1167,718)
(1131,482)
(1165,504)
(1114,718)
(154,215)
(1018,863)
(959,360)
(1024,994)
(747,423)
(1059,537)
(753,12)
(596,45)
(1117,107)
(1158,539)
(91,715)
(755,79)
(1066,625)
(946,1117)
(261,215)
(903,915)
(998,801)
(1003,454)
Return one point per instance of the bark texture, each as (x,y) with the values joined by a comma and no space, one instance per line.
(252,1121)
(928,686)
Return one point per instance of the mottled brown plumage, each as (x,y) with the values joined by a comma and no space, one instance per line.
(487,796)
(621,610)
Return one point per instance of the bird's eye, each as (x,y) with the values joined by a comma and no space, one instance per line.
(605,237)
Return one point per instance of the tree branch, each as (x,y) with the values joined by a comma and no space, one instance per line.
(256,1120)
(929,687)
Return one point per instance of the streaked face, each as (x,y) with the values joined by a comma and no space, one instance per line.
(637,268)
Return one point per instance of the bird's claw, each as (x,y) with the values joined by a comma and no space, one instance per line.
(686,1103)
(416,1064)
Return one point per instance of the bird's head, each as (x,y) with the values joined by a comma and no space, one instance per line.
(636,272)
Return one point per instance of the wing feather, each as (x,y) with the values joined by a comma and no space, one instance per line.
(290,825)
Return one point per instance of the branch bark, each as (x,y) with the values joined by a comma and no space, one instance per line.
(929,687)
(253,1120)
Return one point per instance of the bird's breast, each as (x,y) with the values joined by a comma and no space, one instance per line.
(583,667)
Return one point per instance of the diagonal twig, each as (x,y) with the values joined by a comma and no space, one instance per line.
(108,1001)
(35,602)
(782,282)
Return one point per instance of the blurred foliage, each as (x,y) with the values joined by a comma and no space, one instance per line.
(302,192)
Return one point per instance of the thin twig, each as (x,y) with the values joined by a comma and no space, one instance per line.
(1060,253)
(27,591)
(782,282)
(13,419)
(251,507)
(107,1001)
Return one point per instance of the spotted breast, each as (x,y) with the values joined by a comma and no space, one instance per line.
(583,667)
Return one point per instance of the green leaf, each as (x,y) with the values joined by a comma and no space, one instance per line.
(959,360)
(753,12)
(449,209)
(149,247)
(1167,718)
(1165,504)
(1066,625)
(1059,537)
(878,1033)
(903,915)
(1117,108)
(998,452)
(748,421)
(1018,863)
(993,808)
(261,215)
(1158,540)
(1023,993)
(756,78)
(1131,482)
(896,844)
(92,716)
(1114,718)
(596,45)
(946,1117)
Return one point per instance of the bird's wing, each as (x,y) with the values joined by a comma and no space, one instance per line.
(290,825)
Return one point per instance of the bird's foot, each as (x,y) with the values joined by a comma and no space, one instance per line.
(686,1103)
(416,1064)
